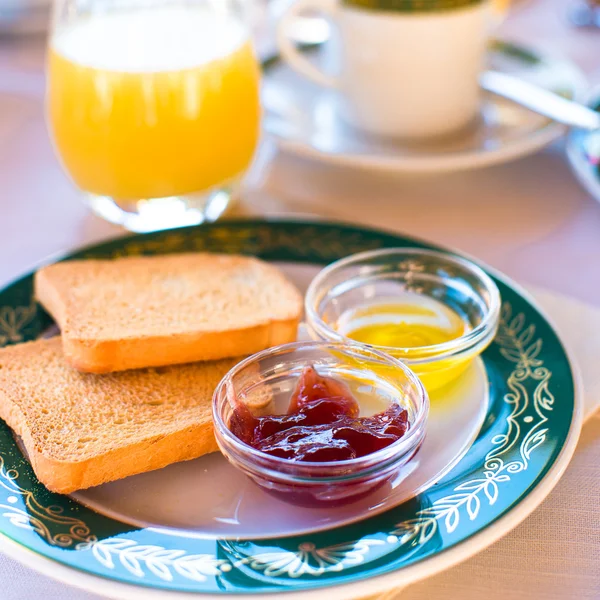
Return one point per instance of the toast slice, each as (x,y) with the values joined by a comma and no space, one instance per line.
(146,311)
(81,430)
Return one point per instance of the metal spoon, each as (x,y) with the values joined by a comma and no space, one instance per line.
(540,100)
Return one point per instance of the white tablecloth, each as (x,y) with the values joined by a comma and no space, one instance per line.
(552,555)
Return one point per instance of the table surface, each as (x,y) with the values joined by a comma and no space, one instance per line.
(529,218)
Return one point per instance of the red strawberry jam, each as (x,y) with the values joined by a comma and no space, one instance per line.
(321,424)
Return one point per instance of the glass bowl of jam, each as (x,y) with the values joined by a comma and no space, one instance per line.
(433,311)
(320,424)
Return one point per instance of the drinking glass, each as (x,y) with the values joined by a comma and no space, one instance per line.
(153,106)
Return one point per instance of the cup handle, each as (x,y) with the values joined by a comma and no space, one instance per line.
(287,47)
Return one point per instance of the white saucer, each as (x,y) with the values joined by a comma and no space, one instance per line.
(304,119)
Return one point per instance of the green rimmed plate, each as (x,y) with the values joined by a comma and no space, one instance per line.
(527,437)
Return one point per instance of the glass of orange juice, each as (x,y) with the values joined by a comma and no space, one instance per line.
(153,106)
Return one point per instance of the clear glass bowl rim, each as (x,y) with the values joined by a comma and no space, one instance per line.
(394,451)
(438,351)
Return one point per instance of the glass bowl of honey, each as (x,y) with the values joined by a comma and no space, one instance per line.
(320,424)
(433,311)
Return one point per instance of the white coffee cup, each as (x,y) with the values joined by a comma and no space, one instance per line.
(403,73)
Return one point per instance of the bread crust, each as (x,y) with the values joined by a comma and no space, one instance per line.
(112,426)
(154,453)
(98,356)
(104,354)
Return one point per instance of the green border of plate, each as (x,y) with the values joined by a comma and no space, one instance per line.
(531,416)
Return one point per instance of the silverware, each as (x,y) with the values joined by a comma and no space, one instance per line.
(540,100)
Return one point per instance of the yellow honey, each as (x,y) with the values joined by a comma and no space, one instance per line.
(407,327)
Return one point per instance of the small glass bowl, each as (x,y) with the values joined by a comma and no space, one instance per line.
(266,381)
(381,275)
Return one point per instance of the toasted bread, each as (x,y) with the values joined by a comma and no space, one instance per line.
(137,312)
(81,430)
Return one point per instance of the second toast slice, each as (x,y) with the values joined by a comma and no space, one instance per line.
(81,430)
(137,312)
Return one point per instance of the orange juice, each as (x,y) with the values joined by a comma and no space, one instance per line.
(151,104)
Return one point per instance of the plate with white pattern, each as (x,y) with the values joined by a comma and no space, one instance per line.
(507,458)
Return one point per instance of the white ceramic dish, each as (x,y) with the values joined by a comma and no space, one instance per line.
(304,119)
